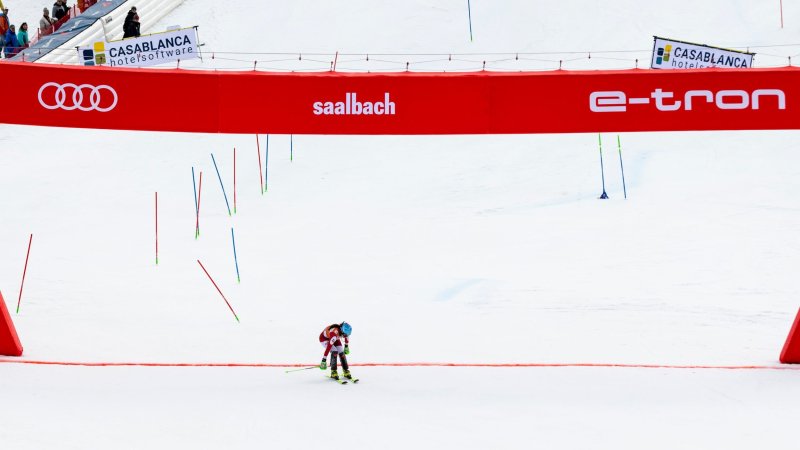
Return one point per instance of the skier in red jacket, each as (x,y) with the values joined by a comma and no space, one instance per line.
(331,338)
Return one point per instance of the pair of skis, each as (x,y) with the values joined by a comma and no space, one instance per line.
(345,381)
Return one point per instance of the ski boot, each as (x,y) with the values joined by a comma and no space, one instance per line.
(335,374)
(347,375)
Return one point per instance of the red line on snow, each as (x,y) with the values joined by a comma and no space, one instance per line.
(407,364)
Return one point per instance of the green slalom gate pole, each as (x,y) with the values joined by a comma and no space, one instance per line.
(621,168)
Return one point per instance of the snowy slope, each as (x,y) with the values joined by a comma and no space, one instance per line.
(499,26)
(497,242)
(481,249)
(399,408)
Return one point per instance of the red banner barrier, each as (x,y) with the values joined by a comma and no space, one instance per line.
(401,103)
(9,341)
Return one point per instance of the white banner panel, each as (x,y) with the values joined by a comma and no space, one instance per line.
(143,51)
(672,54)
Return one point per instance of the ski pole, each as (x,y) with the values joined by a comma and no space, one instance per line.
(304,368)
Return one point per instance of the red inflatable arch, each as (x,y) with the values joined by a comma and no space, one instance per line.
(401,103)
(791,349)
(9,341)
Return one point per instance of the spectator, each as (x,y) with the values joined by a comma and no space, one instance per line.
(12,44)
(60,9)
(135,26)
(131,26)
(46,21)
(3,28)
(22,36)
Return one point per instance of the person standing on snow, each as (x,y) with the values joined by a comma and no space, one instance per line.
(22,36)
(135,26)
(131,26)
(46,22)
(11,42)
(4,26)
(60,9)
(331,338)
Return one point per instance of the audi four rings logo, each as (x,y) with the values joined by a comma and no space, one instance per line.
(101,98)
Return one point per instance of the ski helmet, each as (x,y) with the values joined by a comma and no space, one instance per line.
(346,328)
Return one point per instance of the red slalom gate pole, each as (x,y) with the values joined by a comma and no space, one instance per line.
(156,227)
(24,271)
(260,173)
(199,194)
(218,290)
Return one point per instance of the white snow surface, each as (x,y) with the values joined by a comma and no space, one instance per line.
(452,249)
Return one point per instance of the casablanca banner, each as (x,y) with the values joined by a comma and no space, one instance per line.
(403,102)
(143,51)
(672,54)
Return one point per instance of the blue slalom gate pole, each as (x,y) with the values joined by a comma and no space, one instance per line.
(619,147)
(235,259)
(266,166)
(603,196)
(469,14)
(221,185)
(194,186)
